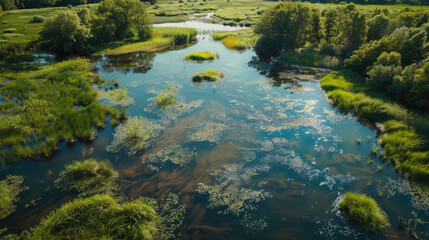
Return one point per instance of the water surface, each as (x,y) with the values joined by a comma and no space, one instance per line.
(270,156)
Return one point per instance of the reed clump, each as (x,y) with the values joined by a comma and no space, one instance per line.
(209,75)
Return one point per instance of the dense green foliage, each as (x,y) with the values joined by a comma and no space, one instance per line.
(68,33)
(209,75)
(98,217)
(88,177)
(119,19)
(46,106)
(10,188)
(364,210)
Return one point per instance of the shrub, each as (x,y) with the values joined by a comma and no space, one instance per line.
(209,75)
(88,177)
(364,210)
(266,47)
(380,77)
(200,56)
(38,19)
(97,217)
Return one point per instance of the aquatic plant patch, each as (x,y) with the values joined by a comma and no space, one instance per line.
(10,188)
(115,98)
(174,154)
(135,135)
(201,56)
(98,217)
(166,97)
(209,75)
(88,177)
(364,210)
(46,106)
(209,131)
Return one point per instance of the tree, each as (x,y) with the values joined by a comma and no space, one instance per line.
(286,23)
(315,34)
(351,27)
(387,66)
(331,30)
(419,93)
(377,27)
(66,34)
(118,19)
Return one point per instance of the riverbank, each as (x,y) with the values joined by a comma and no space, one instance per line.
(404,133)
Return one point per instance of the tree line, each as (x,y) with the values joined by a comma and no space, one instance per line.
(73,32)
(390,49)
(19,4)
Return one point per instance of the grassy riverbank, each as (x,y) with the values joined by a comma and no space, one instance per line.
(405,139)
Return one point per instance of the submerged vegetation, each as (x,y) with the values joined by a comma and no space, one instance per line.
(98,217)
(115,98)
(10,188)
(174,154)
(209,75)
(201,56)
(88,177)
(45,106)
(135,135)
(365,211)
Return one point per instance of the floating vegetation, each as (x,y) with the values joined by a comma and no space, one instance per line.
(88,177)
(174,154)
(170,216)
(135,135)
(208,131)
(309,172)
(359,140)
(201,56)
(386,191)
(166,97)
(230,193)
(365,211)
(174,111)
(209,75)
(10,188)
(98,217)
(115,98)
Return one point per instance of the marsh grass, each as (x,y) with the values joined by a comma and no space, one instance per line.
(97,217)
(166,96)
(135,135)
(88,177)
(405,141)
(200,56)
(47,106)
(10,188)
(164,37)
(209,75)
(236,40)
(364,211)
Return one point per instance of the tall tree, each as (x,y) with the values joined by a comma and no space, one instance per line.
(352,27)
(331,22)
(315,33)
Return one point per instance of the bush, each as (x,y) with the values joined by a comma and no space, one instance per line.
(365,211)
(266,47)
(381,77)
(209,75)
(97,217)
(38,19)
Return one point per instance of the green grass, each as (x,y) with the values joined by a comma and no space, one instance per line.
(88,177)
(209,75)
(97,217)
(200,56)
(365,211)
(48,105)
(310,57)
(164,37)
(236,40)
(406,138)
